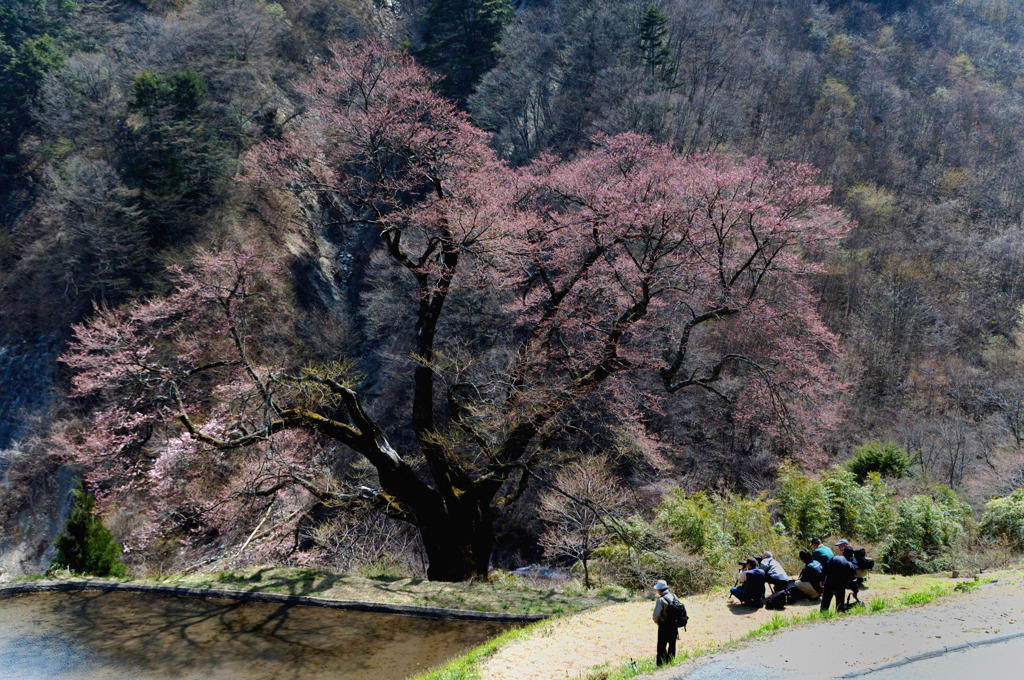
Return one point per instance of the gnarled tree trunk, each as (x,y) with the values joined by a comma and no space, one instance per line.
(459,545)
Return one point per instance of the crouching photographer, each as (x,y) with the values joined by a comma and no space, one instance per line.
(808,586)
(809,583)
(750,581)
(774,573)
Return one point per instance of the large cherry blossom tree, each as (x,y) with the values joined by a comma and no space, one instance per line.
(615,279)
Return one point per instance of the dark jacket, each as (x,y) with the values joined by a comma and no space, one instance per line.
(811,573)
(839,572)
(753,584)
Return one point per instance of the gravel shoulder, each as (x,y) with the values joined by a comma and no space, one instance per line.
(573,647)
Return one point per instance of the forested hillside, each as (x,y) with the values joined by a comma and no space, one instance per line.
(913,113)
(382,253)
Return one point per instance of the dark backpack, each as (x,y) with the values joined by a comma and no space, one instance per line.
(777,601)
(675,614)
(861,559)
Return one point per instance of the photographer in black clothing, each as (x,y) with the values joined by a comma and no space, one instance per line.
(837,576)
(809,582)
(856,557)
(750,583)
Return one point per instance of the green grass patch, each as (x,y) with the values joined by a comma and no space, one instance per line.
(923,596)
(33,577)
(630,670)
(467,666)
(635,668)
(879,604)
(773,624)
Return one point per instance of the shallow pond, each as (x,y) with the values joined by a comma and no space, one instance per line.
(95,635)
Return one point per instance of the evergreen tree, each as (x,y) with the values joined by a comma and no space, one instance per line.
(461,40)
(30,33)
(180,165)
(86,546)
(181,93)
(652,43)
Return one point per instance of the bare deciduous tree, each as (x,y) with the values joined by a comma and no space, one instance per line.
(584,498)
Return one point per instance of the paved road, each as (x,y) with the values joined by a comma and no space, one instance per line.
(922,642)
(997,660)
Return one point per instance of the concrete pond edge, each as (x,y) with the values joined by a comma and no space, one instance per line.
(30,587)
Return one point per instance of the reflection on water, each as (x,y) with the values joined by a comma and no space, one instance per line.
(122,636)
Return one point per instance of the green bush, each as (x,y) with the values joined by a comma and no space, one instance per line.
(723,529)
(642,554)
(86,546)
(695,522)
(888,460)
(803,504)
(846,499)
(837,504)
(926,532)
(384,567)
(863,510)
(879,513)
(638,569)
(613,591)
(1004,518)
(750,529)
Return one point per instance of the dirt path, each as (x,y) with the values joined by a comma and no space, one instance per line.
(614,635)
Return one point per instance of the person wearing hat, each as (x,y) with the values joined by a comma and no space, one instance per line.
(750,580)
(773,572)
(821,553)
(667,632)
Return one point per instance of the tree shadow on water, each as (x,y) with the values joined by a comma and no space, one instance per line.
(162,637)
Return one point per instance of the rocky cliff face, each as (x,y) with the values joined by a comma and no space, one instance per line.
(27,537)
(35,494)
(36,499)
(26,383)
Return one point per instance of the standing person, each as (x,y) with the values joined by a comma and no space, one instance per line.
(821,553)
(774,573)
(845,548)
(750,584)
(838,574)
(668,632)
